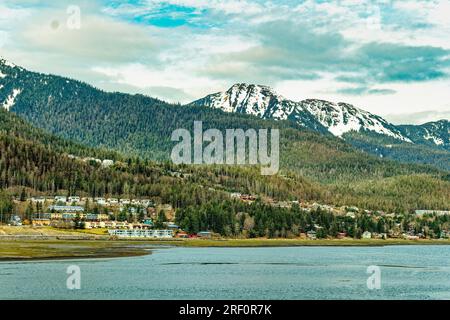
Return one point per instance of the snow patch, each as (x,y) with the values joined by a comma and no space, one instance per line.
(262,101)
(9,102)
(7,63)
(436,140)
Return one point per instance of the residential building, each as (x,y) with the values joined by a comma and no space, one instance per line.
(40,200)
(125,201)
(311,235)
(100,201)
(437,212)
(58,208)
(204,234)
(73,199)
(61,199)
(366,235)
(141,233)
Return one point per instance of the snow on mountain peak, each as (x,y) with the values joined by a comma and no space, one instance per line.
(264,102)
(257,100)
(342,117)
(5,62)
(11,99)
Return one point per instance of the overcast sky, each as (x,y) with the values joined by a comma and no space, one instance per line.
(391,58)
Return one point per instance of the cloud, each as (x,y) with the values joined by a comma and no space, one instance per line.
(361,90)
(97,39)
(380,55)
(394,62)
(418,117)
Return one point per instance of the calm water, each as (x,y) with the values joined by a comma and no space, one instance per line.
(407,272)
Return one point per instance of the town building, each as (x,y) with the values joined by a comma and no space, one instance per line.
(71,209)
(61,199)
(40,200)
(204,234)
(366,235)
(312,235)
(141,233)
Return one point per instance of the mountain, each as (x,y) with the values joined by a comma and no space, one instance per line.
(431,133)
(39,165)
(141,126)
(43,163)
(425,144)
(336,118)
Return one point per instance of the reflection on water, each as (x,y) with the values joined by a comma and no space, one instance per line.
(407,272)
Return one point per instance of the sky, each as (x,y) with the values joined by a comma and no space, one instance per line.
(391,58)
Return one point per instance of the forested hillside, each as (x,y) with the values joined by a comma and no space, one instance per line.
(314,166)
(142,126)
(41,170)
(12,125)
(386,147)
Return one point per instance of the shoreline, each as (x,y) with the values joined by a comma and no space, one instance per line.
(63,249)
(42,250)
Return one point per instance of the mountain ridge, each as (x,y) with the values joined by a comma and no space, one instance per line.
(141,126)
(316,114)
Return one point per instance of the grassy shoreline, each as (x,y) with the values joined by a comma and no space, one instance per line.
(28,250)
(25,243)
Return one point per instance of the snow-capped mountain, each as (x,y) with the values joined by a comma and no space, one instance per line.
(8,93)
(432,133)
(256,100)
(336,118)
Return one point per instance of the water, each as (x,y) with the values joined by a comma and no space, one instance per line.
(407,272)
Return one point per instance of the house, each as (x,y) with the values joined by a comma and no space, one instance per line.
(40,200)
(100,201)
(113,201)
(40,222)
(123,225)
(61,199)
(341,235)
(94,224)
(73,199)
(171,225)
(381,236)
(148,222)
(351,215)
(311,235)
(235,195)
(110,224)
(96,217)
(15,221)
(141,233)
(71,209)
(70,216)
(366,235)
(247,197)
(107,163)
(147,203)
(182,235)
(282,204)
(47,216)
(437,212)
(204,234)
